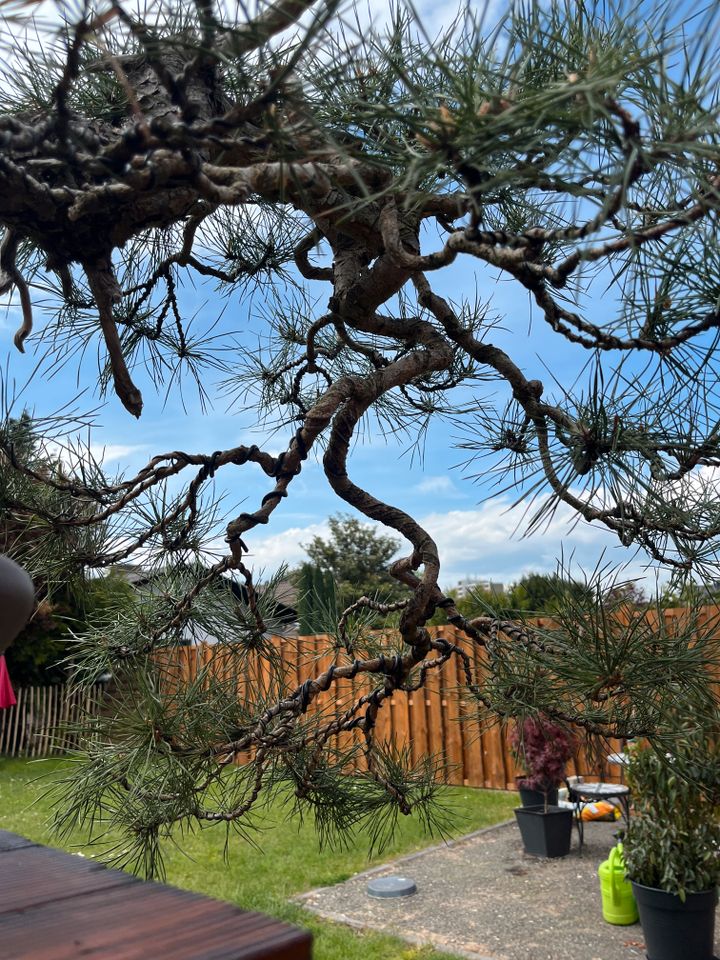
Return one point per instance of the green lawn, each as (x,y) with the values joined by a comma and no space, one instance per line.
(287,862)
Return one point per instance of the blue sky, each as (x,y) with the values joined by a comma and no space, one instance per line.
(477,531)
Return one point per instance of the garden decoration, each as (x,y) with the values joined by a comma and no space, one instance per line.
(618,902)
(543,748)
(672,846)
(17,599)
(332,185)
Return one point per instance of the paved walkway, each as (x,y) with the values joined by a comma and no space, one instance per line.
(482,898)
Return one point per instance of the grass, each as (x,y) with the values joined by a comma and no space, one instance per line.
(288,861)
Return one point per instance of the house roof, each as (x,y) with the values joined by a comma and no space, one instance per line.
(285,596)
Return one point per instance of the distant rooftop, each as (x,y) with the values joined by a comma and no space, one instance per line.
(284,611)
(467,585)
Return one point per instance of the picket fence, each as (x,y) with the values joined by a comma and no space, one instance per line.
(41,724)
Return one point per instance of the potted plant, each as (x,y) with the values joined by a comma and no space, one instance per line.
(672,846)
(543,748)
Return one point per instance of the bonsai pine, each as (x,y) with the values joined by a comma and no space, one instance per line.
(322,177)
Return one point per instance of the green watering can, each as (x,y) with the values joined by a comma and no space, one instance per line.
(618,902)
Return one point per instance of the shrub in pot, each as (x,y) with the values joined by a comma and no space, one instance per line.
(543,748)
(672,846)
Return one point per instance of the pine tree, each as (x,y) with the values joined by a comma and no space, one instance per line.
(570,150)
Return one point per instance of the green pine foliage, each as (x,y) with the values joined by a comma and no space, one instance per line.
(324,174)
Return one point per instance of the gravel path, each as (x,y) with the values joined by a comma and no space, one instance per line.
(483,898)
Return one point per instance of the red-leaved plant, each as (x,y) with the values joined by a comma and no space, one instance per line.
(543,748)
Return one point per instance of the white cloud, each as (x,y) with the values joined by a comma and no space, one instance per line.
(107,452)
(484,542)
(440,484)
(699,485)
(271,552)
(435,17)
(73,453)
(488,541)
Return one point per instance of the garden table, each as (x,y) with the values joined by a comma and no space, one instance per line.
(581,793)
(56,906)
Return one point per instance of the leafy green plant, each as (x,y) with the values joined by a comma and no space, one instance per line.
(673,840)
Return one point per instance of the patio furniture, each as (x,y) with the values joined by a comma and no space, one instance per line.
(55,906)
(582,792)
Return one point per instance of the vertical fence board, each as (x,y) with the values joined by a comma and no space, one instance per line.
(64,720)
(17,713)
(35,722)
(399,721)
(433,714)
(452,725)
(417,725)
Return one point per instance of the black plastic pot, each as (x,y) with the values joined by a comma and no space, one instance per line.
(535,798)
(545,833)
(677,930)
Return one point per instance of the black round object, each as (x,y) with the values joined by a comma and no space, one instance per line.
(17,599)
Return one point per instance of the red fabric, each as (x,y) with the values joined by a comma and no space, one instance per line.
(7,697)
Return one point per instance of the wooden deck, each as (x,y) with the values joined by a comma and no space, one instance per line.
(55,906)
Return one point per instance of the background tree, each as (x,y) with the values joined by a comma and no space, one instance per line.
(572,151)
(541,592)
(356,556)
(66,598)
(631,593)
(478,602)
(317,600)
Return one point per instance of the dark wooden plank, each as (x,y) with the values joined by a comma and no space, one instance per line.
(13,841)
(58,907)
(35,875)
(147,921)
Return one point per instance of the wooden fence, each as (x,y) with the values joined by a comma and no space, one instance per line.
(433,721)
(436,720)
(41,722)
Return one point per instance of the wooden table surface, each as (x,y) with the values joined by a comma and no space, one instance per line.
(57,906)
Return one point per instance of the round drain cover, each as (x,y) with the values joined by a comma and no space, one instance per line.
(386,887)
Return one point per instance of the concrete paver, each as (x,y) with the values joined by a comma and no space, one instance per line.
(483,898)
